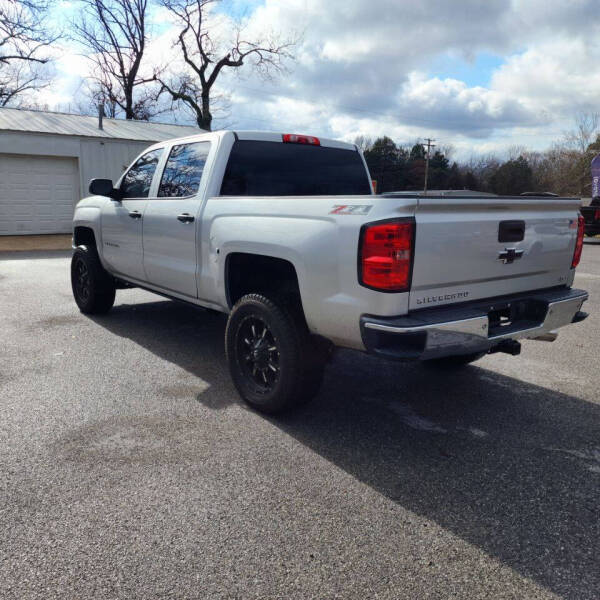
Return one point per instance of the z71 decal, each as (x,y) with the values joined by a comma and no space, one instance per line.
(351,209)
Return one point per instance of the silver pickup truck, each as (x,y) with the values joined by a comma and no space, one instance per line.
(283,233)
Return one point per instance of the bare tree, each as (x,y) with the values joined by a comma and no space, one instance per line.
(579,141)
(104,93)
(585,130)
(363,142)
(448,150)
(91,95)
(206,57)
(515,150)
(16,80)
(24,42)
(115,33)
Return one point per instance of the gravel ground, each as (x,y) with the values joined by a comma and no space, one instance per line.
(130,469)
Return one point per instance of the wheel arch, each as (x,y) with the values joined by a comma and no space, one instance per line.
(84,235)
(259,273)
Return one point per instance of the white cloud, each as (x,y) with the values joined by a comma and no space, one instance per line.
(367,67)
(557,76)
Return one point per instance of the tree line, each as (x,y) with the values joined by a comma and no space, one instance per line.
(115,35)
(563,169)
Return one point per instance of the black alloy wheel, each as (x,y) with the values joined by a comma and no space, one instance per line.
(260,355)
(82,282)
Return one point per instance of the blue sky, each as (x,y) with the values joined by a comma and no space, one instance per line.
(480,76)
(476,71)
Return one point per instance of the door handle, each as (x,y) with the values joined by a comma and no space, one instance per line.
(511,231)
(185,218)
(135,214)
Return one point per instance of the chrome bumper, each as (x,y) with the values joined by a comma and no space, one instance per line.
(472,327)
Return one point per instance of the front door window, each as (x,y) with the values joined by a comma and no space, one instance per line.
(137,181)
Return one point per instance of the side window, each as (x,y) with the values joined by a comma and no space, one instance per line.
(137,181)
(183,170)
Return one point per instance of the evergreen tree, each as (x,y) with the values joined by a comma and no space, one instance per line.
(417,152)
(454,180)
(438,171)
(386,164)
(471,182)
(415,175)
(512,178)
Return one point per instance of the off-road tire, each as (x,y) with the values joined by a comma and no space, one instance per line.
(281,370)
(93,288)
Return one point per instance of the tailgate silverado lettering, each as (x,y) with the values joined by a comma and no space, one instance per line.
(444,298)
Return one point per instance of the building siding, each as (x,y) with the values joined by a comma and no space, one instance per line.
(105,158)
(95,158)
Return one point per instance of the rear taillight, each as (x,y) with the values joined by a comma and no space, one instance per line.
(579,242)
(597,214)
(292,138)
(385,255)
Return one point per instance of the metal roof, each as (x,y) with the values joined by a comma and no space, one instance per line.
(34,121)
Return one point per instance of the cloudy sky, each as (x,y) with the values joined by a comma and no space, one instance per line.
(480,75)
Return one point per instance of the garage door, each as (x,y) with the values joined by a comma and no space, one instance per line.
(37,194)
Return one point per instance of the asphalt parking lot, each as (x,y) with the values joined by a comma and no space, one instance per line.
(130,469)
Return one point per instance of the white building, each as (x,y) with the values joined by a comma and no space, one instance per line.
(47,160)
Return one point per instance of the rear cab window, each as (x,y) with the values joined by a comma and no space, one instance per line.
(261,168)
(183,172)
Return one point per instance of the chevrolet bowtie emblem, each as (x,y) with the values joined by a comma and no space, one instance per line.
(509,255)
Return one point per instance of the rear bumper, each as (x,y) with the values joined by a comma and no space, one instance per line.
(471,327)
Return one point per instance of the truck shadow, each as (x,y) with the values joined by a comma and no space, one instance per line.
(510,467)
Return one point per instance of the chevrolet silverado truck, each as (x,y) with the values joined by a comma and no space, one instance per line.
(283,233)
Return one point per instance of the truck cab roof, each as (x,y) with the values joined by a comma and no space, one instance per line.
(259,136)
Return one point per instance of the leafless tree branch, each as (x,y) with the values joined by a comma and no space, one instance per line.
(24,41)
(114,32)
(207,57)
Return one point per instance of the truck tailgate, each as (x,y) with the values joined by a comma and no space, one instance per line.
(471,248)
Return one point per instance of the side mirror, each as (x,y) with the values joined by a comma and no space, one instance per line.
(104,187)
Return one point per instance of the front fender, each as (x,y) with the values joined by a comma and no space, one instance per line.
(90,217)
